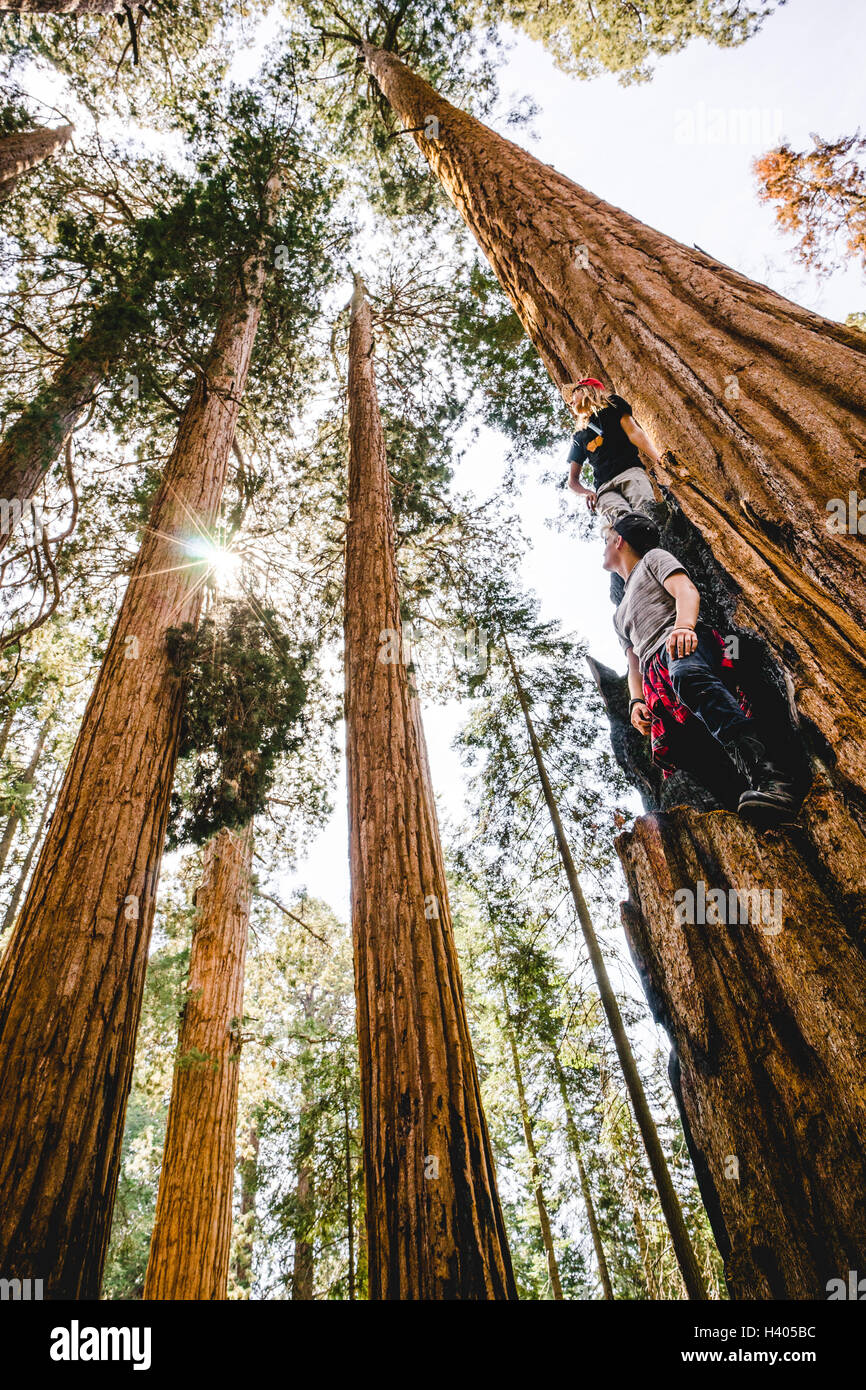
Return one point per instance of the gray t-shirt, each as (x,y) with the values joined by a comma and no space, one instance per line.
(647,613)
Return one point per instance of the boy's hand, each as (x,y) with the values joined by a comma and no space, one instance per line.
(640,717)
(682,642)
(591,499)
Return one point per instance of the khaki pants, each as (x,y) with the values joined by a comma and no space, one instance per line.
(627,492)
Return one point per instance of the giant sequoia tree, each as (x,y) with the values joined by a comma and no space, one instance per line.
(70,996)
(434,1225)
(761,406)
(190,1248)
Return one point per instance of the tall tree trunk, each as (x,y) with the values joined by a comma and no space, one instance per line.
(667,1195)
(535,1167)
(303,1270)
(192,1231)
(350,1204)
(27,148)
(768,1022)
(434,1222)
(33,441)
(249,1170)
(12,909)
(14,818)
(6,729)
(574,1141)
(72,977)
(763,403)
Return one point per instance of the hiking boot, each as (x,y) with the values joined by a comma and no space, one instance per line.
(770,798)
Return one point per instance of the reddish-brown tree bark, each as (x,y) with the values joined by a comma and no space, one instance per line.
(191,1242)
(768,1022)
(25,149)
(762,402)
(72,976)
(434,1223)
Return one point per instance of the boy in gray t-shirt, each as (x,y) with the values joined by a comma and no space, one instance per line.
(674,662)
(647,614)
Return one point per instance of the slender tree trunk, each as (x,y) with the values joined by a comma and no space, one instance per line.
(14,818)
(192,1232)
(763,403)
(71,980)
(248,1167)
(27,148)
(434,1222)
(12,909)
(574,1140)
(350,1205)
(667,1195)
(303,1271)
(643,1248)
(6,729)
(303,1268)
(33,441)
(535,1167)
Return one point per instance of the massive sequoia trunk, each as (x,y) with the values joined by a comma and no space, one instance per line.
(768,1021)
(191,1242)
(762,402)
(72,976)
(27,148)
(434,1223)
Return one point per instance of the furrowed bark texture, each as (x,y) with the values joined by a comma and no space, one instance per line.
(769,1042)
(27,148)
(762,405)
(33,441)
(72,976)
(762,402)
(191,1242)
(434,1223)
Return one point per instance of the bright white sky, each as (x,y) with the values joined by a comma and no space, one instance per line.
(804,73)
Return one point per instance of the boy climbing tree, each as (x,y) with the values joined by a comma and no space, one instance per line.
(612,442)
(677,667)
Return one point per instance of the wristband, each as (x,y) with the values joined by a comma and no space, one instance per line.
(638,700)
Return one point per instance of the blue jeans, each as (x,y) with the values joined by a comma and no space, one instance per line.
(698,684)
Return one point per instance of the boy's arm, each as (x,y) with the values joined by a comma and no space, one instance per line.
(640,715)
(640,438)
(574,482)
(683,639)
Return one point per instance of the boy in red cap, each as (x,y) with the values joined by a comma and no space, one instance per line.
(611,441)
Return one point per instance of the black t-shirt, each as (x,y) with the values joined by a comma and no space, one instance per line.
(605,443)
